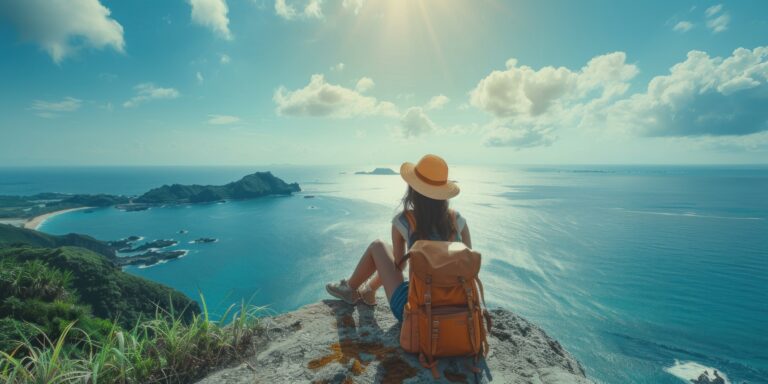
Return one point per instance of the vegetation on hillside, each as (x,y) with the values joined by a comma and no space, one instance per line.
(68,314)
(11,236)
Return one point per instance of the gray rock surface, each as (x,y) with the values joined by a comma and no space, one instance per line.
(332,342)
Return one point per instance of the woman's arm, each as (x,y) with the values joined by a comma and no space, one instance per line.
(398,246)
(465,238)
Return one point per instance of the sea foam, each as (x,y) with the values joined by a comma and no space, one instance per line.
(691,370)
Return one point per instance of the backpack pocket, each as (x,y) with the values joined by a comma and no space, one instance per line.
(409,331)
(452,332)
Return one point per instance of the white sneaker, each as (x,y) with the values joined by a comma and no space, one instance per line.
(342,291)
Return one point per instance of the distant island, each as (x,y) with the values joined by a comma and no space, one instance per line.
(31,211)
(378,171)
(258,184)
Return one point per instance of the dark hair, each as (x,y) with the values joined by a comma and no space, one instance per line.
(430,214)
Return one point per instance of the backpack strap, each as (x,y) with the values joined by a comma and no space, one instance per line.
(430,363)
(471,306)
(486,315)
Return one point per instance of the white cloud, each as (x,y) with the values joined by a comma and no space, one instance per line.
(224,59)
(222,119)
(62,27)
(147,92)
(720,23)
(312,10)
(364,84)
(501,135)
(212,14)
(437,102)
(50,109)
(544,99)
(415,122)
(701,96)
(338,67)
(354,5)
(683,26)
(320,98)
(713,10)
(199,77)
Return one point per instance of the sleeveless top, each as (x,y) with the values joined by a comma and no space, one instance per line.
(401,224)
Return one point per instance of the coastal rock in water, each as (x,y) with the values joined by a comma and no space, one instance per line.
(332,342)
(204,240)
(378,171)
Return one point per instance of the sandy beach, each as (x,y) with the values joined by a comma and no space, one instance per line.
(36,221)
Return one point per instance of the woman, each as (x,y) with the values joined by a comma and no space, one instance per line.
(426,202)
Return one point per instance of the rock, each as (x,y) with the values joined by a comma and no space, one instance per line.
(332,342)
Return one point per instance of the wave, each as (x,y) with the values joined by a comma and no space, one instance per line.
(690,214)
(691,370)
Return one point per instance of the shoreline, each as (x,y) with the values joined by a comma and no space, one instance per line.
(35,222)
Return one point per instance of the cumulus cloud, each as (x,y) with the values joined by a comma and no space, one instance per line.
(354,5)
(224,59)
(701,96)
(222,119)
(415,122)
(321,99)
(62,27)
(437,102)
(683,26)
(364,84)
(544,99)
(50,109)
(199,77)
(212,14)
(148,92)
(312,9)
(717,20)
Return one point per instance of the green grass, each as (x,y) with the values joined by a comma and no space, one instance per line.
(162,349)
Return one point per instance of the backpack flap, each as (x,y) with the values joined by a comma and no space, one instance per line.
(443,261)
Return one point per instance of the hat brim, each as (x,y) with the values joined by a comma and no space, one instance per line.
(437,192)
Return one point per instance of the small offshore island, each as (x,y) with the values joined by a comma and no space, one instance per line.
(378,171)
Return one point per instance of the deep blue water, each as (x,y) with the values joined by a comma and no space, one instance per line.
(631,268)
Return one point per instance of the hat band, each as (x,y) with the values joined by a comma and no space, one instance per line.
(426,180)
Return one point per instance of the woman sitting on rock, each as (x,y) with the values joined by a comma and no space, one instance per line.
(425,207)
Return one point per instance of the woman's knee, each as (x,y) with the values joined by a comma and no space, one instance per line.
(378,245)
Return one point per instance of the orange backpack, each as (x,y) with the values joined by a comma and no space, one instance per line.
(445,307)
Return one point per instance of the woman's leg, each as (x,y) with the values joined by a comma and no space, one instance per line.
(380,259)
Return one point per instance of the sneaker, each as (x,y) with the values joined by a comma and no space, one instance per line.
(367,294)
(343,292)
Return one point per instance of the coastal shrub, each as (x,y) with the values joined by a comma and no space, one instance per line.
(161,349)
(99,284)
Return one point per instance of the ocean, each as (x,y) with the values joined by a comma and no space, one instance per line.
(644,273)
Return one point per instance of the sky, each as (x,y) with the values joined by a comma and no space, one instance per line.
(241,82)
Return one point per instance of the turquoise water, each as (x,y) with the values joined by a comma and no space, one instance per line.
(631,268)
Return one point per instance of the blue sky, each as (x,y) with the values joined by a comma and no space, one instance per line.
(217,82)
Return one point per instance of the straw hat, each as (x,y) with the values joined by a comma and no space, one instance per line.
(430,178)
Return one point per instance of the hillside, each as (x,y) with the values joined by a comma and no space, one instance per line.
(14,236)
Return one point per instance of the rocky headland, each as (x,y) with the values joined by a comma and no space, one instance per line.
(332,342)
